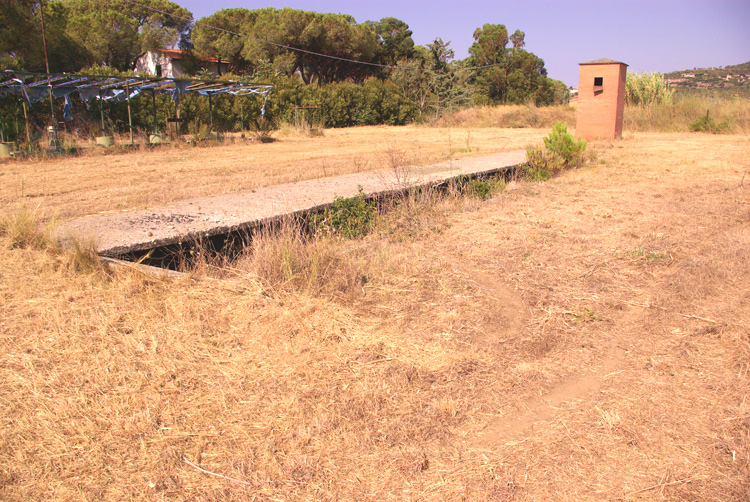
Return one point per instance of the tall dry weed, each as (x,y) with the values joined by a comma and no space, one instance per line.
(81,257)
(685,110)
(509,116)
(290,259)
(396,162)
(415,212)
(24,229)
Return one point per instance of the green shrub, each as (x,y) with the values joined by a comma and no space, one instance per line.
(564,147)
(375,102)
(706,123)
(483,189)
(349,217)
(540,164)
(561,151)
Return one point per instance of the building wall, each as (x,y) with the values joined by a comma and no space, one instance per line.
(172,67)
(149,61)
(600,108)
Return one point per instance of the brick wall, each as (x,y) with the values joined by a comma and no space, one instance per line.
(600,107)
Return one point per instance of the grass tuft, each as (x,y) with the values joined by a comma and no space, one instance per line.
(82,258)
(290,259)
(24,229)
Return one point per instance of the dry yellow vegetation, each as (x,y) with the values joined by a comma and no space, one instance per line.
(585,338)
(98,183)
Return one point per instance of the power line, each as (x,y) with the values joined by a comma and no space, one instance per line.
(288,47)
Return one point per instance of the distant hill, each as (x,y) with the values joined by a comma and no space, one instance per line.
(733,79)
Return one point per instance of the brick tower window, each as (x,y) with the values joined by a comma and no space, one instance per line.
(598,84)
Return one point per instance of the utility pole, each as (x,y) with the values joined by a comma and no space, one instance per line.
(46,59)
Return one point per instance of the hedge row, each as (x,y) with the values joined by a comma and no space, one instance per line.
(333,105)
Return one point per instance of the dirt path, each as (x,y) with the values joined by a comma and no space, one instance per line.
(539,411)
(632,272)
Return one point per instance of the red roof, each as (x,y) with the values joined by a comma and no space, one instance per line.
(180,54)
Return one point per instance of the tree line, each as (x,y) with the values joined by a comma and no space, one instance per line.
(314,59)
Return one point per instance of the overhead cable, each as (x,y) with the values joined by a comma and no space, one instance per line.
(288,47)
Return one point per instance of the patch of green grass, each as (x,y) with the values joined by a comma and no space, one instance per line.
(647,255)
(586,315)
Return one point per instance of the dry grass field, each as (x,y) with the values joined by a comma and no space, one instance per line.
(99,183)
(585,338)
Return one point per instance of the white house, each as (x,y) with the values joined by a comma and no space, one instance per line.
(168,63)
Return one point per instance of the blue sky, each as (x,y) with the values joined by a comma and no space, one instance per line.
(653,36)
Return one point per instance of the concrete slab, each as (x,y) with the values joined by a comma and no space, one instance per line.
(121,234)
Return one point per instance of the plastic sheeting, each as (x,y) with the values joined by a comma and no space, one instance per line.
(35,87)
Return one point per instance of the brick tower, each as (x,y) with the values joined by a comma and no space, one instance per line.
(601,99)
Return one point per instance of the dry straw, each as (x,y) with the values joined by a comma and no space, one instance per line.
(629,379)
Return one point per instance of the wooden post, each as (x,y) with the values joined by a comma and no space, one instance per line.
(101,111)
(46,60)
(177,122)
(26,122)
(153,97)
(210,113)
(130,118)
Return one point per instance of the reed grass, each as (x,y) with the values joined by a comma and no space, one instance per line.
(685,110)
(289,258)
(647,89)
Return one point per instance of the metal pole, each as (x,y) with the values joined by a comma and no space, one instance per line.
(2,133)
(51,104)
(210,113)
(130,119)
